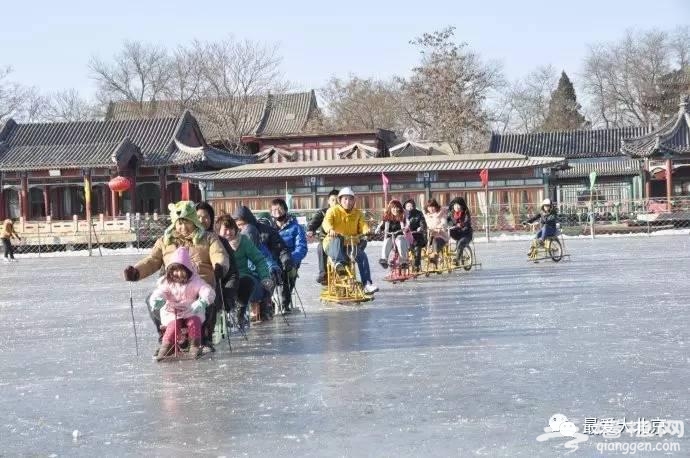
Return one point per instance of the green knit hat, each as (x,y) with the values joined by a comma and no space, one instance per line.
(184,209)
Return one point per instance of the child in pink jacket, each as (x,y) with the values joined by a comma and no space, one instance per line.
(183,297)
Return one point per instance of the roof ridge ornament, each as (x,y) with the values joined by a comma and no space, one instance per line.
(684,103)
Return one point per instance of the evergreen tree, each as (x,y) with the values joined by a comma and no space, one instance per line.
(564,111)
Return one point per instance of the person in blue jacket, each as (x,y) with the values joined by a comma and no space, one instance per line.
(295,240)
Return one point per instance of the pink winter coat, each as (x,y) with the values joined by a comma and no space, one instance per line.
(437,224)
(179,297)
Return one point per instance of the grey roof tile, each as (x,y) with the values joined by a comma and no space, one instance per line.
(93,143)
(379,165)
(569,144)
(672,137)
(617,167)
(264,115)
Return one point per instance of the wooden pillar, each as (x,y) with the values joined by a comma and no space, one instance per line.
(669,183)
(163,185)
(24,196)
(46,200)
(107,211)
(115,203)
(2,199)
(87,196)
(186,188)
(133,193)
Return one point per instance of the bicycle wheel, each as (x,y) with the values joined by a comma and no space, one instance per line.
(555,250)
(467,258)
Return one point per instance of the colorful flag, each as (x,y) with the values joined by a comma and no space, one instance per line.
(385,181)
(484,176)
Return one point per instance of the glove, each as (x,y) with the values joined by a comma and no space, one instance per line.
(131,274)
(288,265)
(157,303)
(199,306)
(268,284)
(362,244)
(218,271)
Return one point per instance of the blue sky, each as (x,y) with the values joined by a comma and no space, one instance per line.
(48,43)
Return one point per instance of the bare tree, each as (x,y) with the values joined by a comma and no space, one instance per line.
(524,104)
(67,105)
(357,103)
(446,93)
(186,78)
(236,77)
(18,101)
(624,78)
(138,73)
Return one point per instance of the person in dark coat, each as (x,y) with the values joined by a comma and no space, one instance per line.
(269,242)
(314,228)
(460,224)
(417,224)
(547,218)
(207,217)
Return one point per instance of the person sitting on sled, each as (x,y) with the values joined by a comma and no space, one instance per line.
(255,281)
(314,228)
(437,226)
(395,230)
(547,219)
(295,240)
(182,297)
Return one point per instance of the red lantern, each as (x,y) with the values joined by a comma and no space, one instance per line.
(119,184)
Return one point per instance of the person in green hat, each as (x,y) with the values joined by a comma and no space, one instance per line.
(206,252)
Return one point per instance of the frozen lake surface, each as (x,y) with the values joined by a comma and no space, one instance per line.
(454,365)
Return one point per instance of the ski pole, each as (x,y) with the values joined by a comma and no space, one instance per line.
(224,314)
(134,324)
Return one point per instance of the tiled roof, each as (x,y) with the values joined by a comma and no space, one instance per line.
(379,165)
(569,144)
(423,148)
(94,143)
(263,115)
(672,137)
(615,167)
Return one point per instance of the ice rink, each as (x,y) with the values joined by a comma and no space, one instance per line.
(467,364)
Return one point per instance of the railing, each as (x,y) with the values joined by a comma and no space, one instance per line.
(142,230)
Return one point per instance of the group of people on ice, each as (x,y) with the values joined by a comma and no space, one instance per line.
(235,262)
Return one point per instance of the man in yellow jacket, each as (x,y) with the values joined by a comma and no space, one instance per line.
(341,222)
(7,233)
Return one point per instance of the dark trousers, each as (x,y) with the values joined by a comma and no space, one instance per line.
(462,239)
(419,243)
(323,259)
(9,251)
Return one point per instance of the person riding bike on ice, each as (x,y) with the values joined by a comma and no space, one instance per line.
(340,223)
(395,228)
(547,219)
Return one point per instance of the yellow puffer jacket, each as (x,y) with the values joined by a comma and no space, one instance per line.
(204,254)
(8,230)
(344,223)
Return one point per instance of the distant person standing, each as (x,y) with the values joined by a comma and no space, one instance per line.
(7,233)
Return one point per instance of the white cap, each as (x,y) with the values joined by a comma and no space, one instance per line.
(346,191)
(546,202)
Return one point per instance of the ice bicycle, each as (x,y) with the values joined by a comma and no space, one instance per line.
(553,247)
(344,287)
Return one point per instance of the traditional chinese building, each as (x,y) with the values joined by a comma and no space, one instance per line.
(45,168)
(665,156)
(516,181)
(256,116)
